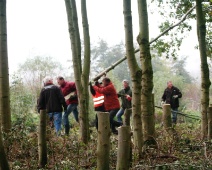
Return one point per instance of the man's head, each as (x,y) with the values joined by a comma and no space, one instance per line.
(105,81)
(60,80)
(125,83)
(47,80)
(169,84)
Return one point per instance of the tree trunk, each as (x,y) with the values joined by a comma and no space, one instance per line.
(147,74)
(209,116)
(201,31)
(124,142)
(103,143)
(42,147)
(84,100)
(167,121)
(4,73)
(127,114)
(3,159)
(81,76)
(135,72)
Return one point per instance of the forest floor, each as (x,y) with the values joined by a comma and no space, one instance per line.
(184,150)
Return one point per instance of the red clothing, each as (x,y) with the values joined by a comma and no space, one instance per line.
(110,96)
(98,99)
(67,88)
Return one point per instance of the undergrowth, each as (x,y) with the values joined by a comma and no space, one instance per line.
(182,150)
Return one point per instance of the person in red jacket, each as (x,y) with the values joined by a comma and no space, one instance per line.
(111,102)
(98,101)
(70,94)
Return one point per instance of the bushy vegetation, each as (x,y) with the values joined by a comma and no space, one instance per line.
(183,150)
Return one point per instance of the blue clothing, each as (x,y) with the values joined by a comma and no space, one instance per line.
(174,115)
(70,108)
(57,117)
(119,114)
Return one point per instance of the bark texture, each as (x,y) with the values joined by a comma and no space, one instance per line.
(103,143)
(209,115)
(5,114)
(124,144)
(3,159)
(127,115)
(42,146)
(167,120)
(205,80)
(81,75)
(135,72)
(147,74)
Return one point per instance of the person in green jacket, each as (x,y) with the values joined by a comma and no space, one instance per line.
(126,97)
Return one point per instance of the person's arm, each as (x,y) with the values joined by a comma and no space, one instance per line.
(41,102)
(179,94)
(103,90)
(62,99)
(92,90)
(164,96)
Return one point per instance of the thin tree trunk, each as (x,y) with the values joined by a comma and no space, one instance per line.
(135,72)
(3,159)
(147,74)
(103,142)
(81,76)
(4,73)
(205,85)
(42,146)
(209,116)
(124,142)
(84,100)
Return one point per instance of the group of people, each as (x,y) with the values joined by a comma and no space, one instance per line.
(63,98)
(105,98)
(57,99)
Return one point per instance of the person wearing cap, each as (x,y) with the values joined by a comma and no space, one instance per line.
(51,99)
(171,96)
(126,97)
(70,94)
(111,102)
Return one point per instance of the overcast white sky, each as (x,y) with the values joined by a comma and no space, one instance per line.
(39,27)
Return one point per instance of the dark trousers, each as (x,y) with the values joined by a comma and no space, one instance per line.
(113,123)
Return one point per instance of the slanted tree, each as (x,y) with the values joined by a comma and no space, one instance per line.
(4,73)
(147,74)
(81,74)
(135,72)
(205,80)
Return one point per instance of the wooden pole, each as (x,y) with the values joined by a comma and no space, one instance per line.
(3,158)
(167,121)
(42,147)
(127,114)
(124,142)
(103,143)
(209,115)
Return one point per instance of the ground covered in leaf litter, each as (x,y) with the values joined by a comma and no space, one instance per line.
(184,150)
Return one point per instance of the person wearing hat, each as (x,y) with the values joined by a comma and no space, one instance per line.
(126,97)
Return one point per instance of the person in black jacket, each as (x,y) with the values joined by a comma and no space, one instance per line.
(126,97)
(171,96)
(51,99)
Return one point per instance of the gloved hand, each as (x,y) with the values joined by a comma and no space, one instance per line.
(92,83)
(175,96)
(128,97)
(162,103)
